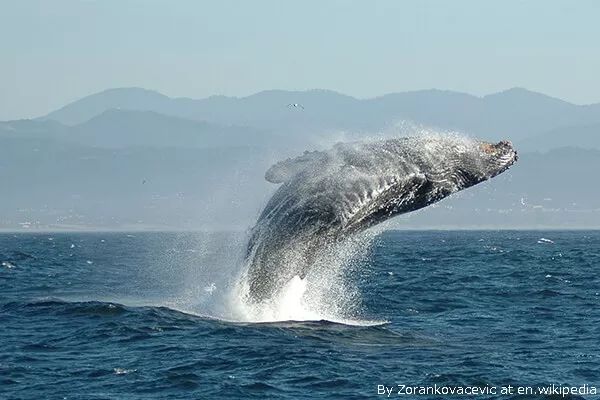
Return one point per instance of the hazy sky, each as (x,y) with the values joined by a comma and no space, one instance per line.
(54,52)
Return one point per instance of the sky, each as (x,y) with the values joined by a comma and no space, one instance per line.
(55,52)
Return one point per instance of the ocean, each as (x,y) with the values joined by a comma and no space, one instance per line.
(421,314)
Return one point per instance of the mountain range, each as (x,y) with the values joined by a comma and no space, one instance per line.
(131,158)
(516,113)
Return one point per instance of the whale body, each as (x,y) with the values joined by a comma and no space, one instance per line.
(327,196)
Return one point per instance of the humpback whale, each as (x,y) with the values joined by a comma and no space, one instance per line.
(327,196)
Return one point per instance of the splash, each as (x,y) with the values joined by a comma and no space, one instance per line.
(327,293)
(302,254)
(211,282)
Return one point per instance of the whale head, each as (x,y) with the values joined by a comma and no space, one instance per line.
(396,176)
(457,163)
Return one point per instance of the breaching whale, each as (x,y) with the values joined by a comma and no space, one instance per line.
(327,196)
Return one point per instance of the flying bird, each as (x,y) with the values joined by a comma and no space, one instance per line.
(296,105)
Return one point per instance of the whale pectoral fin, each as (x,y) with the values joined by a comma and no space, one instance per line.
(283,171)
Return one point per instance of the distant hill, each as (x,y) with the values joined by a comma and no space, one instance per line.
(137,159)
(122,98)
(121,128)
(515,114)
(117,128)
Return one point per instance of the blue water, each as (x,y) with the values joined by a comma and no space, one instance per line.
(130,316)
